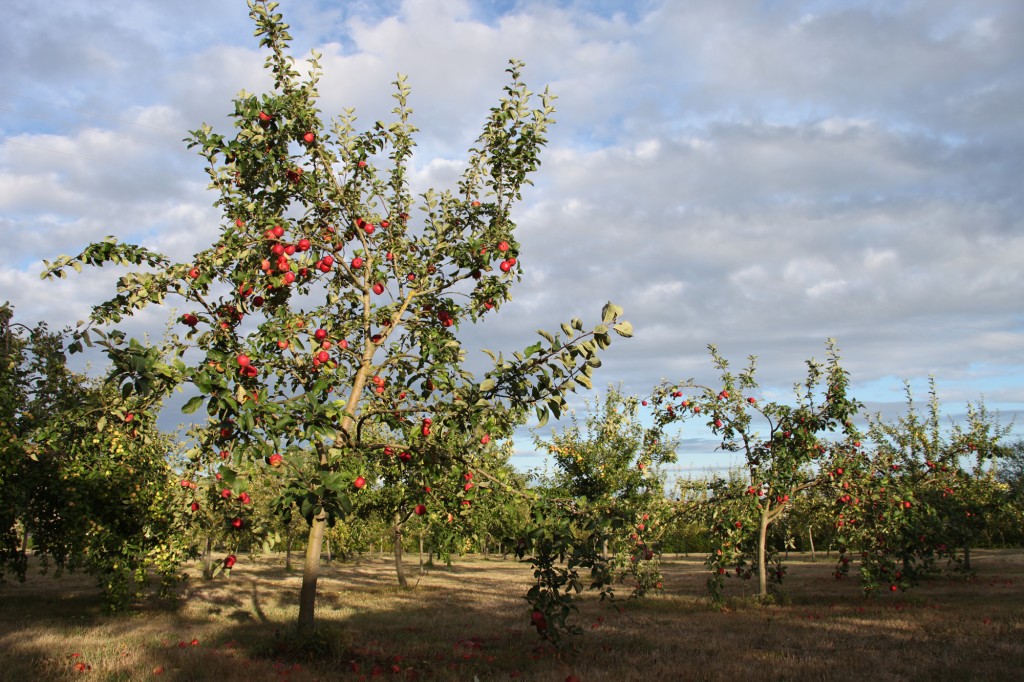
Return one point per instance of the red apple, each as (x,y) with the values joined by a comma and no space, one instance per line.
(357,262)
(359,482)
(275,460)
(420,509)
(243,360)
(485,439)
(320,334)
(309,138)
(503,246)
(194,273)
(229,561)
(378,288)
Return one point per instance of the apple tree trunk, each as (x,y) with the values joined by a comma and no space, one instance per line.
(762,547)
(399,568)
(310,575)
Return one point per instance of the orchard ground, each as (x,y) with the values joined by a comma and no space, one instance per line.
(471,622)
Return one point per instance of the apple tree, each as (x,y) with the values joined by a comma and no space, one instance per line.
(322,327)
(914,497)
(87,474)
(782,446)
(609,466)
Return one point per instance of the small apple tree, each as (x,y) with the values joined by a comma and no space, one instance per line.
(323,325)
(609,467)
(782,446)
(914,497)
(86,473)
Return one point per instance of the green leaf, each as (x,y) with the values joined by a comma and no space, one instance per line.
(624,329)
(487,385)
(610,312)
(193,404)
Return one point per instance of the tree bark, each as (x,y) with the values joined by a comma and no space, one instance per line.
(399,568)
(208,557)
(810,536)
(310,575)
(762,541)
(422,569)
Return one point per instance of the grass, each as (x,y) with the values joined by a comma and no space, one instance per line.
(472,623)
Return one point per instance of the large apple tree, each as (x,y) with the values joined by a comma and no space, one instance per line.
(322,327)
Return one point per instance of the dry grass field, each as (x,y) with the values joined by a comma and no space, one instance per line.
(472,623)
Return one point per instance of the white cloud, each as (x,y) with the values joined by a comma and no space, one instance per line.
(758,175)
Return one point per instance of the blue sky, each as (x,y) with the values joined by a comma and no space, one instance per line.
(759,175)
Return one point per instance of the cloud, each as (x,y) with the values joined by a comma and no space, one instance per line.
(757,175)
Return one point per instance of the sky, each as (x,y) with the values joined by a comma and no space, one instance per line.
(757,174)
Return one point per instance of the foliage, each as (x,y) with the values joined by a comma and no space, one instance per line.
(913,498)
(88,475)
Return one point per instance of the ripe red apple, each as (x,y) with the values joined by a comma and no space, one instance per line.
(244,497)
(503,246)
(237,523)
(467,487)
(359,482)
(505,266)
(289,277)
(309,138)
(226,494)
(357,262)
(323,356)
(195,506)
(328,261)
(420,509)
(275,460)
(361,164)
(282,344)
(229,561)
(485,439)
(189,319)
(303,244)
(320,334)
(718,423)
(243,360)
(378,288)
(194,273)
(265,117)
